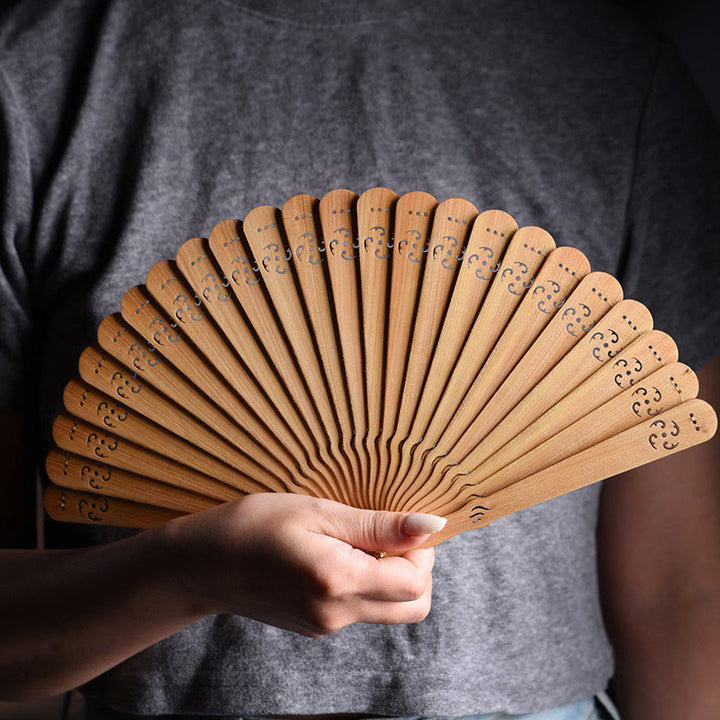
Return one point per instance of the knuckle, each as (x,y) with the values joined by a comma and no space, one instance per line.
(352,578)
(417,586)
(372,528)
(379,527)
(325,621)
(421,609)
(325,584)
(333,628)
(414,587)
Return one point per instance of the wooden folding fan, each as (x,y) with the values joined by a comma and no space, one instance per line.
(386,352)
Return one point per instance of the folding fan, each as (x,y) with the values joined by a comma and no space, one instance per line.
(385,352)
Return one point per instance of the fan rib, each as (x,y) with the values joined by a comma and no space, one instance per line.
(77,473)
(230,249)
(385,351)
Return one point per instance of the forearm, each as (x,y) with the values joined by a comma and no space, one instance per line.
(68,615)
(284,559)
(659,563)
(667,660)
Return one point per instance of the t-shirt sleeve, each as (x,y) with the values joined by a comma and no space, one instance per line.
(15,250)
(671,259)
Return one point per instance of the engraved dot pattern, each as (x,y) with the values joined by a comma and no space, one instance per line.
(325,277)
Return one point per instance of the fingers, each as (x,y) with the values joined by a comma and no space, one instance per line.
(397,613)
(387,579)
(332,613)
(303,564)
(338,571)
(361,588)
(396,579)
(380,531)
(405,596)
(356,586)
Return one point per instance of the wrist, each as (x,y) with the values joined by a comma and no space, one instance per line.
(176,577)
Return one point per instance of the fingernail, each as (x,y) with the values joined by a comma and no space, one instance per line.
(422,524)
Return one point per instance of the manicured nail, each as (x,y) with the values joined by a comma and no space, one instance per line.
(422,524)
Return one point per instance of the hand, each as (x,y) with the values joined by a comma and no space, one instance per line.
(301,564)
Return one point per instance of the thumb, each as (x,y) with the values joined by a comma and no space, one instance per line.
(384,531)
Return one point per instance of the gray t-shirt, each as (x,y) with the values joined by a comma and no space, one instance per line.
(128,127)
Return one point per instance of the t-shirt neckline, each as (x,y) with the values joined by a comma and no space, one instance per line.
(327,13)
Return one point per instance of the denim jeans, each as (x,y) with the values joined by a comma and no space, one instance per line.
(600,708)
(582,710)
(586,709)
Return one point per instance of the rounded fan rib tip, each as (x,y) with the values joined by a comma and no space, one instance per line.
(388,352)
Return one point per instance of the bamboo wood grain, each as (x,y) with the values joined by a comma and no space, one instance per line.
(337,218)
(106,413)
(451,229)
(89,441)
(557,277)
(650,352)
(524,255)
(133,352)
(481,259)
(263,229)
(362,349)
(92,509)
(662,390)
(116,385)
(679,428)
(589,301)
(76,473)
(413,226)
(232,252)
(165,284)
(411,245)
(211,287)
(141,313)
(561,396)
(375,214)
(301,220)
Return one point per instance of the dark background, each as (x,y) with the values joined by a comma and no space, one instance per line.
(694,28)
